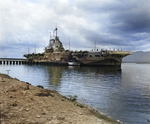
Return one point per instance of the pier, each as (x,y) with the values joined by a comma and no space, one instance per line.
(12,61)
(20,61)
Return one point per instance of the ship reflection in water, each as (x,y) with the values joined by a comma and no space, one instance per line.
(123,95)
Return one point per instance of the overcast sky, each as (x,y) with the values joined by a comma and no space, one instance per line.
(123,24)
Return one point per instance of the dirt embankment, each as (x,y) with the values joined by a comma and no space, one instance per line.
(22,103)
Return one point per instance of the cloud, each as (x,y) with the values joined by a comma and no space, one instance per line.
(111,23)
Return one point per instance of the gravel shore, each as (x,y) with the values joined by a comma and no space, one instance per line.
(22,103)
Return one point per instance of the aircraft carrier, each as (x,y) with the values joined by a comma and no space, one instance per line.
(55,54)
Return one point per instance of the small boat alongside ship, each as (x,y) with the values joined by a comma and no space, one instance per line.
(74,63)
(56,54)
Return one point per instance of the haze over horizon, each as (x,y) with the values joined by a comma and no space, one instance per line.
(110,23)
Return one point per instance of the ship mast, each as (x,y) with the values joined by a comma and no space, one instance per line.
(50,40)
(35,49)
(50,35)
(69,44)
(55,30)
(95,46)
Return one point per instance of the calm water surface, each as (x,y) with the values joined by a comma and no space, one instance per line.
(123,95)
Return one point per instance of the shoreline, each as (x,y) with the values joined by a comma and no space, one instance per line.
(21,102)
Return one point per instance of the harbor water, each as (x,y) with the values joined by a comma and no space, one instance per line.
(123,95)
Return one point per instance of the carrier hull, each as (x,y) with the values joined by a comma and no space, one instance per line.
(101,58)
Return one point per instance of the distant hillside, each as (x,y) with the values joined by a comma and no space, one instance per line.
(139,56)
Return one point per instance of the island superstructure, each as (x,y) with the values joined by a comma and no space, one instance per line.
(56,54)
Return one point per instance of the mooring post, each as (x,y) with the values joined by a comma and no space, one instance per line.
(13,62)
(7,72)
